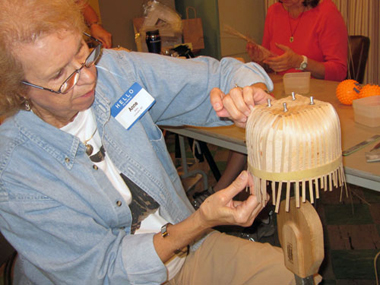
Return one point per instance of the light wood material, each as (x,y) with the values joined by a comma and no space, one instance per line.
(357,170)
(293,140)
(301,236)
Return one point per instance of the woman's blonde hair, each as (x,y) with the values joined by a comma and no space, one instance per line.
(24,22)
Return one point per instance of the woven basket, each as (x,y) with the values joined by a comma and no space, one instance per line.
(294,141)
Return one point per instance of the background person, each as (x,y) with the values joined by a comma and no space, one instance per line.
(307,35)
(89,195)
(93,23)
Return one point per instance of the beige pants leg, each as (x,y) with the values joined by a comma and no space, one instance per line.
(224,259)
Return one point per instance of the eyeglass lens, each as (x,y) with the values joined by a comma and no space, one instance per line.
(74,77)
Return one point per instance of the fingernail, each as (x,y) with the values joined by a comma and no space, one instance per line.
(243,175)
(217,106)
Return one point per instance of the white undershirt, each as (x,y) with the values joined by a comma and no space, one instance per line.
(83,127)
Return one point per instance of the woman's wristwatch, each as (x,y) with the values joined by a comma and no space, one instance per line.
(164,233)
(303,64)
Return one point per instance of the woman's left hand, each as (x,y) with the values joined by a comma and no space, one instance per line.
(238,103)
(221,209)
(289,59)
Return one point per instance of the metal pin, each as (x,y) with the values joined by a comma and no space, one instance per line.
(311,100)
(285,107)
(269,102)
(293,96)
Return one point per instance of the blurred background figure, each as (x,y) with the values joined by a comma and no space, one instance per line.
(306,35)
(93,23)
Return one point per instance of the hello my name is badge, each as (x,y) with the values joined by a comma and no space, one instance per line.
(132,106)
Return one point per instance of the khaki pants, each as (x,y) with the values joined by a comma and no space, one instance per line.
(224,259)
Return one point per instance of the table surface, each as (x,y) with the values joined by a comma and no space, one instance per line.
(358,170)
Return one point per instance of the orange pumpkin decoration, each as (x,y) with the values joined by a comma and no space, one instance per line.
(369,90)
(347,91)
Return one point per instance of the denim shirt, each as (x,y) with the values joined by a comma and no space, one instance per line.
(62,214)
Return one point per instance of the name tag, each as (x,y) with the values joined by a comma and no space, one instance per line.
(132,105)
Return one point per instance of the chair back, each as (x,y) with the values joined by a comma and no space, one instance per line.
(358,47)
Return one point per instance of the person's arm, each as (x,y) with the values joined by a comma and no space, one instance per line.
(176,83)
(92,21)
(289,59)
(218,209)
(316,68)
(334,44)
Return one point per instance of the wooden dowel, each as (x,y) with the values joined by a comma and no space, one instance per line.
(311,191)
(287,196)
(273,193)
(297,194)
(317,188)
(303,191)
(278,197)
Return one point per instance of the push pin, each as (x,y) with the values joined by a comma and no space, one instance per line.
(293,96)
(285,107)
(269,103)
(311,100)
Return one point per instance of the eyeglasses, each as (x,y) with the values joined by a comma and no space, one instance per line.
(72,80)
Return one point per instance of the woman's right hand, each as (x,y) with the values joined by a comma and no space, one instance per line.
(221,209)
(289,59)
(254,52)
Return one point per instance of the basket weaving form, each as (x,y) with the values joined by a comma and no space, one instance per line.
(294,142)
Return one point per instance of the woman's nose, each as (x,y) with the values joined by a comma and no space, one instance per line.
(87,75)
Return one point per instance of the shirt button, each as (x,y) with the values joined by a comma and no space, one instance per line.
(119,203)
(67,160)
(95,167)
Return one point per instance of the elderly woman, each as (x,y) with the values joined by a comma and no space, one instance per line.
(88,192)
